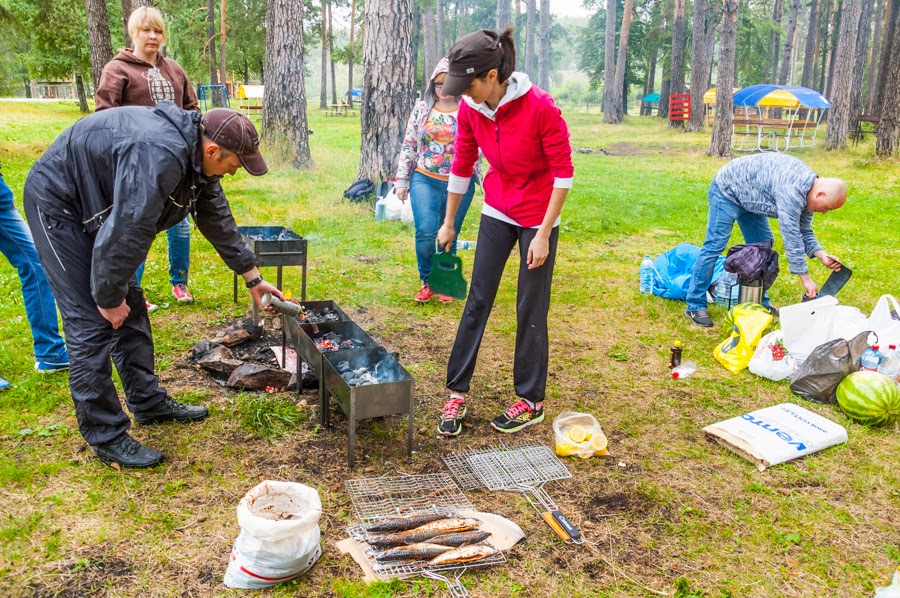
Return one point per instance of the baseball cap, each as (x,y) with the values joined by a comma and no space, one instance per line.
(233,131)
(473,55)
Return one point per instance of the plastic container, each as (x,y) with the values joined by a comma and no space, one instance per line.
(465,244)
(890,365)
(684,370)
(646,275)
(381,209)
(675,355)
(871,359)
(727,290)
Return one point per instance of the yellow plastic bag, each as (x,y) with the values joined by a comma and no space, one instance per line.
(736,351)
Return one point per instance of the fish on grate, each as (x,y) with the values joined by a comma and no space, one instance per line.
(414,552)
(465,554)
(461,538)
(425,532)
(406,522)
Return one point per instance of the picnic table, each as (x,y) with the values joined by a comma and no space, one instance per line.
(858,131)
(340,109)
(757,133)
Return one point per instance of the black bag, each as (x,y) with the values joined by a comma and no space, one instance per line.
(361,190)
(818,378)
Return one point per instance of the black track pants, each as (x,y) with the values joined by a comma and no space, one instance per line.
(496,240)
(65,252)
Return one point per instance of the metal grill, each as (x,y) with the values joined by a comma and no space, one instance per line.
(374,499)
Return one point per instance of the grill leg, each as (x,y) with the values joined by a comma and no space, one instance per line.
(351,443)
(324,415)
(235,286)
(409,430)
(303,284)
(279,278)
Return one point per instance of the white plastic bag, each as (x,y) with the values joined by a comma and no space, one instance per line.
(807,325)
(594,441)
(407,214)
(393,205)
(279,537)
(891,591)
(764,362)
(885,321)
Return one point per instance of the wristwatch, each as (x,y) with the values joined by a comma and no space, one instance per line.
(253,282)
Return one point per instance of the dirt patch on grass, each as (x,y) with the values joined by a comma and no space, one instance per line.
(92,573)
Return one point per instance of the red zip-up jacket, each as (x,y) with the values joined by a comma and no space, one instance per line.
(527,146)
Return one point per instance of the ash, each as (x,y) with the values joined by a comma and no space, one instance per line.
(310,316)
(365,375)
(334,342)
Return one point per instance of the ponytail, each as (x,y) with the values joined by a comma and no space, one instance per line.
(507,55)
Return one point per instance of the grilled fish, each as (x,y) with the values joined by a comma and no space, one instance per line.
(405,522)
(413,552)
(466,554)
(425,532)
(461,538)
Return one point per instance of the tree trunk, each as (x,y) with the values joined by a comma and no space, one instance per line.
(127,7)
(223,72)
(460,18)
(775,41)
(872,82)
(698,62)
(789,43)
(441,35)
(812,38)
(82,96)
(504,14)
(544,56)
(350,62)
(334,96)
(835,40)
(609,56)
(862,53)
(676,84)
(211,32)
(284,123)
(615,116)
(27,83)
(888,135)
(98,37)
(323,92)
(388,87)
(646,110)
(886,45)
(663,110)
(530,58)
(720,145)
(839,119)
(517,35)
(431,55)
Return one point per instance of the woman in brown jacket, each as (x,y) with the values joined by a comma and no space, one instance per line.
(142,77)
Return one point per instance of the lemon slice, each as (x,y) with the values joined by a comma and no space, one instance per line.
(586,455)
(577,434)
(566,449)
(599,442)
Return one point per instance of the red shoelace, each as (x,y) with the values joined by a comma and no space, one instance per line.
(451,409)
(517,409)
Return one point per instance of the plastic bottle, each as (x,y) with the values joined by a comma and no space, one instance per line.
(890,365)
(647,275)
(871,359)
(381,209)
(727,290)
(465,244)
(675,355)
(684,370)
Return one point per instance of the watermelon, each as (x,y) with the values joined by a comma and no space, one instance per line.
(869,398)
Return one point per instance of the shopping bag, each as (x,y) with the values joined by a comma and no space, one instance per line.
(736,351)
(807,325)
(406,215)
(393,205)
(771,359)
(885,320)
(828,364)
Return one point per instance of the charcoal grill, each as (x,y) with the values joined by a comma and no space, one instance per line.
(275,246)
(389,496)
(523,468)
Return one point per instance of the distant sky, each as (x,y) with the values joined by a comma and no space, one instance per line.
(571,8)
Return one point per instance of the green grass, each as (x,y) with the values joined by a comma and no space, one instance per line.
(668,512)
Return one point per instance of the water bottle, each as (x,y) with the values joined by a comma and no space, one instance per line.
(890,365)
(647,275)
(465,244)
(380,208)
(871,359)
(684,370)
(727,290)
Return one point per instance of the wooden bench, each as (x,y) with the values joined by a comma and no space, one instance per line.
(858,132)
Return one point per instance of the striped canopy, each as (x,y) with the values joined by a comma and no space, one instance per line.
(780,96)
(710,96)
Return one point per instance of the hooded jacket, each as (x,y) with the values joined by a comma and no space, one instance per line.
(526,143)
(125,175)
(412,146)
(129,81)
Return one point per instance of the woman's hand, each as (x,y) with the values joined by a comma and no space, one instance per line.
(445,236)
(538,251)
(402,193)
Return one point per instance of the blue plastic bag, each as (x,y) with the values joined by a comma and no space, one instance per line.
(673,269)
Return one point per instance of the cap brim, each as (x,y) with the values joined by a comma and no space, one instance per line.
(254,163)
(455,85)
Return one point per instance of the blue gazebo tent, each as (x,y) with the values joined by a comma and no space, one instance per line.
(649,100)
(767,115)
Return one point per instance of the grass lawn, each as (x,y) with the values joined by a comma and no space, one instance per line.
(669,512)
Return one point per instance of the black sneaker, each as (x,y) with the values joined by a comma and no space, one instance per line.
(700,318)
(171,410)
(519,415)
(128,452)
(451,418)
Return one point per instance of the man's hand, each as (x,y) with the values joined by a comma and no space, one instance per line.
(812,289)
(402,192)
(116,315)
(830,262)
(261,289)
(445,236)
(538,250)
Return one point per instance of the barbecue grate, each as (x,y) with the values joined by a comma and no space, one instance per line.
(374,499)
(523,468)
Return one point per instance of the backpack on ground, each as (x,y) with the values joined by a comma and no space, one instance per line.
(361,190)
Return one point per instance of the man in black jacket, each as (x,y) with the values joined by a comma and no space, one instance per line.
(95,200)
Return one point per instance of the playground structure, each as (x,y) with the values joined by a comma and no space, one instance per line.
(213,96)
(776,118)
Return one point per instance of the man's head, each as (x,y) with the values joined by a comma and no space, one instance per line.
(826,194)
(230,141)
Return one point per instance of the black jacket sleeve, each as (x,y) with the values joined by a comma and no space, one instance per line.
(215,221)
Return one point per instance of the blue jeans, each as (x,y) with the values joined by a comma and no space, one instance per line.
(17,245)
(179,238)
(723,213)
(429,205)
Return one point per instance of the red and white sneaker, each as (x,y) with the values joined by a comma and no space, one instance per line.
(182,294)
(424,294)
(444,298)
(151,307)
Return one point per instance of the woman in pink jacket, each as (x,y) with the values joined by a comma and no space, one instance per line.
(522,134)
